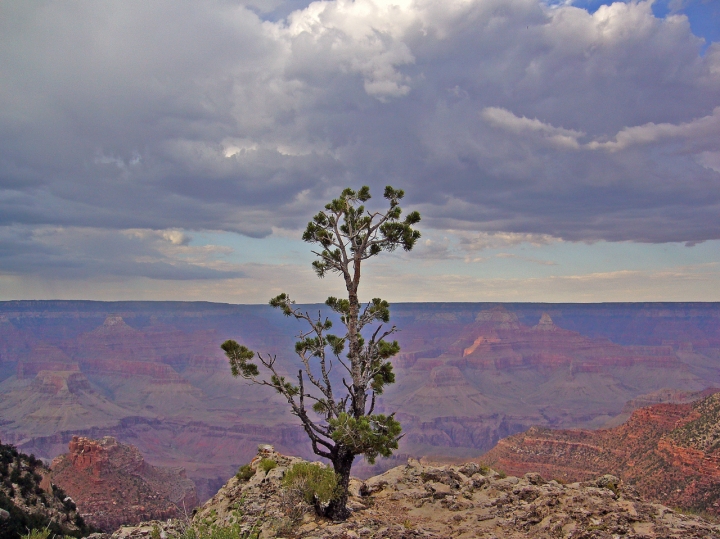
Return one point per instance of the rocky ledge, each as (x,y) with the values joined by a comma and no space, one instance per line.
(426,501)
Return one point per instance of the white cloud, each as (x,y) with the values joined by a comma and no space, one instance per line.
(478,241)
(557,136)
(498,117)
(699,132)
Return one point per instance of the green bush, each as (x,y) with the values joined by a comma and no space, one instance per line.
(231,528)
(245,472)
(267,464)
(313,483)
(37,534)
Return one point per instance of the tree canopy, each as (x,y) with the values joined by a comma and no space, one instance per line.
(340,420)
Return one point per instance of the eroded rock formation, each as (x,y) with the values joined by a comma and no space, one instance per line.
(113,485)
(669,452)
(153,374)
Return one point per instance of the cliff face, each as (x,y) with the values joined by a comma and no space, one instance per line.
(152,374)
(669,452)
(498,376)
(113,485)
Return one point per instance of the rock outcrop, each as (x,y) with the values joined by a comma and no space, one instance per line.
(668,452)
(428,501)
(113,485)
(28,500)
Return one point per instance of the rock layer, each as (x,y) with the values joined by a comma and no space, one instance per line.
(113,485)
(669,452)
(152,374)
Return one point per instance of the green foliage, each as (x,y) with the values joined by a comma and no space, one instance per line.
(282,386)
(16,467)
(346,216)
(245,472)
(347,234)
(267,464)
(313,483)
(369,435)
(155,533)
(214,529)
(240,357)
(283,302)
(37,534)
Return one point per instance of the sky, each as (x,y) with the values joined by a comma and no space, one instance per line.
(558,151)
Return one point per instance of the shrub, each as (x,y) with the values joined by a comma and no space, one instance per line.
(37,534)
(245,472)
(231,528)
(314,484)
(267,464)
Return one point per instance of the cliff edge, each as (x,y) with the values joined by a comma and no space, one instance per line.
(427,501)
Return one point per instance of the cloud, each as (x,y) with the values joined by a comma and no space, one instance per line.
(62,253)
(683,283)
(526,259)
(496,117)
(557,136)
(474,241)
(699,133)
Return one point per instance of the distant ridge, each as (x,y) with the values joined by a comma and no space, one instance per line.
(152,374)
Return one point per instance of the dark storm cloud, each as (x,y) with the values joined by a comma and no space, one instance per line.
(495,115)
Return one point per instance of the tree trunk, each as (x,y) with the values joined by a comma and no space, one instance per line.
(337,508)
(358,401)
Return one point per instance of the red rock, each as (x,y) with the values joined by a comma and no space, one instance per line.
(112,484)
(669,452)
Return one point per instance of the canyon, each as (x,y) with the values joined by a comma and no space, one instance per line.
(151,374)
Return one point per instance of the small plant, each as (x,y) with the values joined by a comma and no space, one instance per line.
(155,533)
(37,534)
(205,530)
(245,472)
(314,484)
(501,474)
(267,464)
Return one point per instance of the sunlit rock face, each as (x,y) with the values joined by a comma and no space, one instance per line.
(669,452)
(112,484)
(153,375)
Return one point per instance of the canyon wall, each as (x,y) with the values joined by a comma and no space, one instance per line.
(669,452)
(152,374)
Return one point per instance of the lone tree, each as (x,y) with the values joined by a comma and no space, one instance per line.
(342,423)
